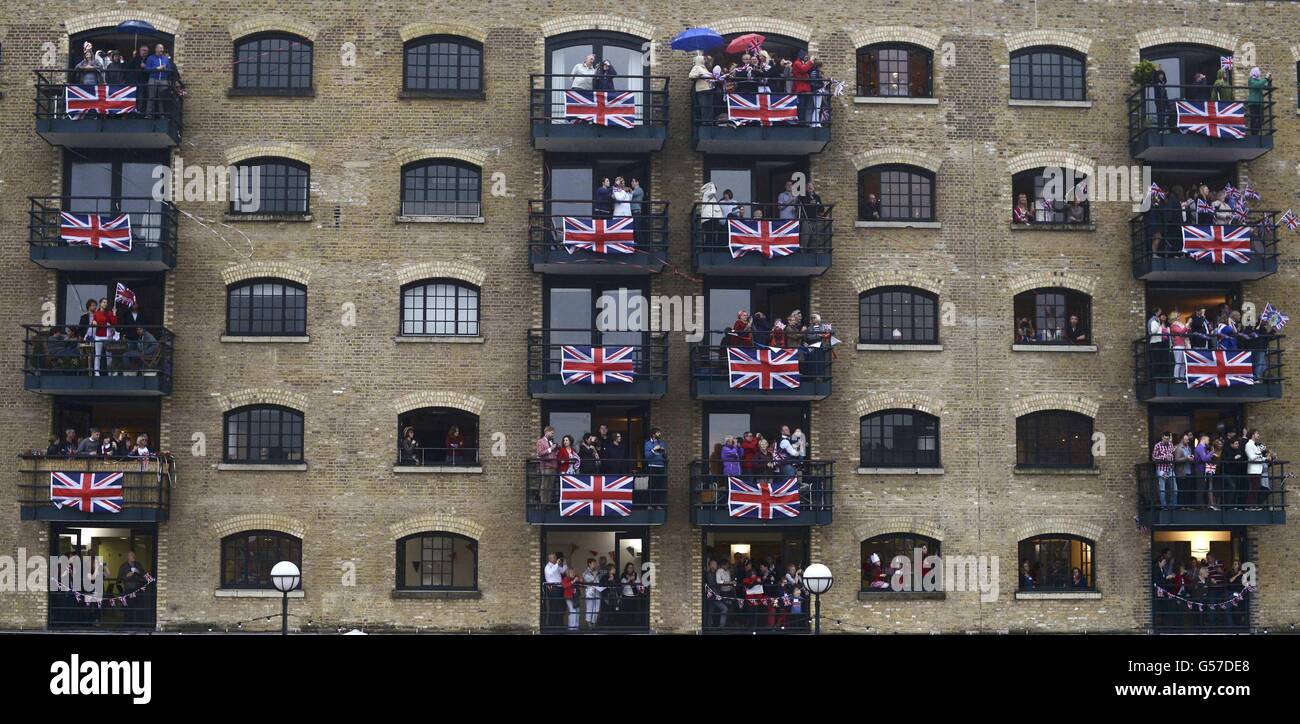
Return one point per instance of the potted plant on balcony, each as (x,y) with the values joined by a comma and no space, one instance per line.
(1143,73)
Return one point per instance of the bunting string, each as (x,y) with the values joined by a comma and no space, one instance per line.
(1233,602)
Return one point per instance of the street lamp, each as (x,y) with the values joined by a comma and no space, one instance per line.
(817,579)
(286,577)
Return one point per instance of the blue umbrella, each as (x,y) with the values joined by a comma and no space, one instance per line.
(135,26)
(697,39)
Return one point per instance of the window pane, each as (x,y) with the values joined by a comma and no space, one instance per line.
(897,316)
(900,438)
(440,308)
(264,435)
(1048,563)
(267,308)
(273,63)
(247,558)
(444,65)
(1048,75)
(437,189)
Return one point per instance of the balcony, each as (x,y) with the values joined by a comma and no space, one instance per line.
(152,234)
(597,365)
(1158,257)
(646,500)
(711,237)
(766,508)
(770,380)
(60,361)
(600,245)
(1227,376)
(1154,136)
(767,134)
(631,119)
(1219,500)
(120,122)
(146,487)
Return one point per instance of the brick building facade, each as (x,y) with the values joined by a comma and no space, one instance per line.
(356,376)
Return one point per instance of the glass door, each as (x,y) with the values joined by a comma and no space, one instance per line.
(108,548)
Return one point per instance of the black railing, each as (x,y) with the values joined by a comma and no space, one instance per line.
(545,349)
(648,97)
(1156,362)
(649,492)
(749,107)
(595,607)
(68,353)
(153,223)
(1221,496)
(437,456)
(709,362)
(1201,608)
(710,228)
(738,608)
(1148,112)
(146,484)
(710,491)
(546,228)
(152,99)
(1156,237)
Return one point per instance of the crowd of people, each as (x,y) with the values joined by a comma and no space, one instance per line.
(101,335)
(99,444)
(759,71)
(1036,577)
(1162,224)
(1225,469)
(1052,331)
(1201,89)
(152,72)
(753,457)
(452,452)
(754,595)
(790,204)
(1049,211)
(600,452)
(1172,334)
(811,340)
(1205,582)
(596,597)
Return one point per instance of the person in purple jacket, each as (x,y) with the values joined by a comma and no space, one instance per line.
(731,455)
(1204,454)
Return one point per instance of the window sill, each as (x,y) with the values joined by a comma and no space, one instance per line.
(447,95)
(898,224)
(1059,595)
(245,339)
(877,347)
(398,595)
(290,218)
(1053,348)
(255,593)
(401,219)
(438,469)
(1017,470)
(1054,227)
(877,594)
(271,92)
(899,471)
(1049,104)
(896,100)
(434,339)
(263,467)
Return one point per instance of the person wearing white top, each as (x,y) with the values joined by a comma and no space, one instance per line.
(790,450)
(590,578)
(622,198)
(553,574)
(1256,464)
(583,73)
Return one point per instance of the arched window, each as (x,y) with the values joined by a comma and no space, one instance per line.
(247,557)
(263,434)
(895,192)
(437,436)
(900,439)
(266,307)
(1054,195)
(1054,439)
(443,65)
(274,64)
(1053,316)
(1047,563)
(897,546)
(898,70)
(898,315)
(437,561)
(440,307)
(1047,74)
(441,187)
(277,186)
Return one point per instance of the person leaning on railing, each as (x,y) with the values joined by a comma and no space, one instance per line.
(1256,86)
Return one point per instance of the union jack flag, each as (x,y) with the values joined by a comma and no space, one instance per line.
(87,492)
(600,236)
(595,495)
(124,295)
(1218,368)
(1203,206)
(1211,118)
(1157,193)
(762,368)
(762,108)
(596,365)
(1225,62)
(764,501)
(98,230)
(603,108)
(105,100)
(1291,221)
(769,238)
(1217,244)
(1274,316)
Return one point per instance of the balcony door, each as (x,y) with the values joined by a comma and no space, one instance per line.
(572,180)
(577,419)
(117,182)
(1181,63)
(723,420)
(773,299)
(1178,419)
(753,181)
(110,545)
(1189,297)
(626,53)
(78,288)
(574,316)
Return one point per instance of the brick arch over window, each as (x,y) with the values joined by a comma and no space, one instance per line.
(263,396)
(764,25)
(1046,159)
(436,523)
(1059,38)
(430,398)
(914,524)
(899,155)
(112,18)
(470,156)
(1185,35)
(611,23)
(896,34)
(895,400)
(441,270)
(1045,280)
(1055,401)
(268,269)
(1059,525)
(292,151)
(412,31)
(260,521)
(273,24)
(866,281)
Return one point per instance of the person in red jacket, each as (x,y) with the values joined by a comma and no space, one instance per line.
(741,332)
(748,452)
(800,68)
(572,603)
(567,458)
(102,323)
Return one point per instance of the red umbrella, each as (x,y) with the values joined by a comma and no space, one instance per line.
(744,42)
